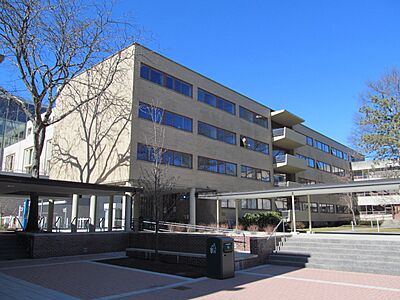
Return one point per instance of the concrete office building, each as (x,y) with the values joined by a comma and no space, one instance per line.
(217,140)
(382,204)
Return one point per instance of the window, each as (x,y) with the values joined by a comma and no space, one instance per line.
(218,102)
(306,181)
(216,133)
(254,173)
(228,203)
(338,171)
(169,157)
(281,204)
(165,117)
(253,117)
(323,166)
(28,157)
(166,80)
(345,156)
(310,161)
(254,145)
(313,208)
(9,163)
(264,204)
(249,203)
(321,146)
(216,166)
(337,153)
(310,141)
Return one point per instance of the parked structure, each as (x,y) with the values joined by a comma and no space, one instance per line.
(377,204)
(217,140)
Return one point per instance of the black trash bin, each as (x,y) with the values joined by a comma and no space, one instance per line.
(220,257)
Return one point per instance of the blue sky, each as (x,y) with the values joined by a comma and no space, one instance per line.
(310,57)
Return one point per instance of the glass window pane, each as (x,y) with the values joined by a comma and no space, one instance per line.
(145,72)
(177,159)
(188,124)
(169,82)
(178,122)
(156,76)
(142,152)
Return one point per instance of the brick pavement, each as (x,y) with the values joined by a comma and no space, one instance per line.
(80,277)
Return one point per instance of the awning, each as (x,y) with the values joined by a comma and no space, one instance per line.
(22,185)
(316,189)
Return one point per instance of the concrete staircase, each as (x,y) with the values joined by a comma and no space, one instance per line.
(379,255)
(11,247)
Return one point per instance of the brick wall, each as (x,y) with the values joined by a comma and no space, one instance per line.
(178,242)
(43,245)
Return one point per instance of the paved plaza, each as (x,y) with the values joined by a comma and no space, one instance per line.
(81,277)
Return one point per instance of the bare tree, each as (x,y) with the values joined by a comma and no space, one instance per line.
(50,43)
(155,179)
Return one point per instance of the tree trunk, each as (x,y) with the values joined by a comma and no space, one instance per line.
(33,225)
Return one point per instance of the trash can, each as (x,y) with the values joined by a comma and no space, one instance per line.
(220,257)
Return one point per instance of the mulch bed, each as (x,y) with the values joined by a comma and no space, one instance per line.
(158,266)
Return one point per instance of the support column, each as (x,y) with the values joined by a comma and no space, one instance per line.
(192,207)
(136,212)
(110,213)
(92,213)
(74,213)
(294,215)
(50,214)
(218,207)
(309,213)
(237,214)
(127,210)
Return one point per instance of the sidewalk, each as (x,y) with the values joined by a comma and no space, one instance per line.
(81,277)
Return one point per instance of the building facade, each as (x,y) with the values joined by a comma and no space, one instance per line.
(215,139)
(382,204)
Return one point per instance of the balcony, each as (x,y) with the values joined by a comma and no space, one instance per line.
(289,164)
(287,138)
(285,118)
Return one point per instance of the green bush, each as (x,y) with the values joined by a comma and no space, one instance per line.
(261,219)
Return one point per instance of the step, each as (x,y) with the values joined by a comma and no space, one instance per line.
(352,241)
(343,256)
(371,247)
(347,268)
(316,250)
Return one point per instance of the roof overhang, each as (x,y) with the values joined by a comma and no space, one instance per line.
(317,189)
(285,118)
(21,185)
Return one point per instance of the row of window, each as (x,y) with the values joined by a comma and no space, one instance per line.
(165,117)
(323,166)
(281,204)
(216,133)
(216,101)
(324,147)
(254,145)
(164,156)
(180,159)
(168,118)
(186,89)
(166,80)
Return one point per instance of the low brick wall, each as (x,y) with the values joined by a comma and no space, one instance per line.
(177,242)
(43,245)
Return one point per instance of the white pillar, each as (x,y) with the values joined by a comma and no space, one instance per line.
(110,213)
(309,213)
(74,212)
(218,206)
(294,214)
(127,210)
(192,207)
(92,213)
(50,214)
(237,214)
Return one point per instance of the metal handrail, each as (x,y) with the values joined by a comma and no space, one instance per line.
(101,224)
(58,228)
(20,224)
(40,221)
(273,233)
(86,223)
